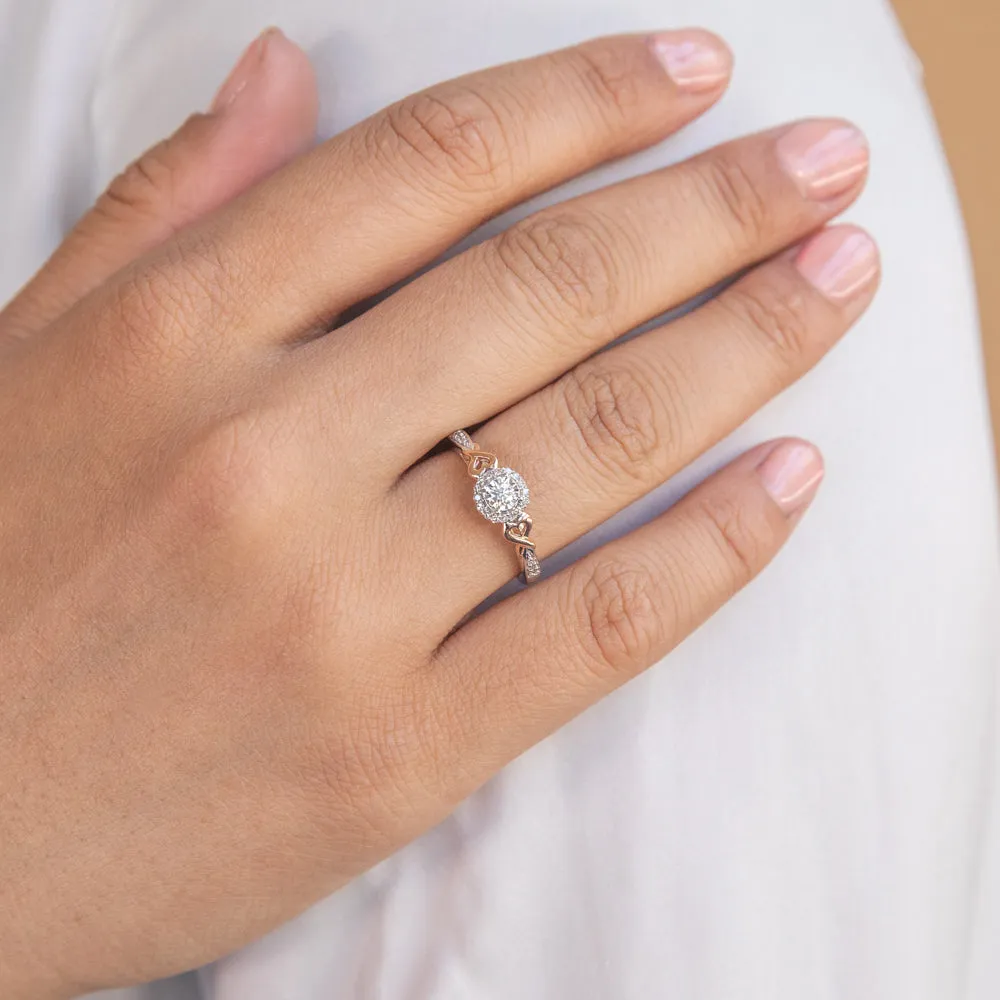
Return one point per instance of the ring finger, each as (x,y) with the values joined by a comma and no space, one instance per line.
(621,423)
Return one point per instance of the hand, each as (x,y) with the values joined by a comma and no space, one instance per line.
(231,673)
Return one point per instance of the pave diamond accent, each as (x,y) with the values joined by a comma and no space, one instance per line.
(462,439)
(532,568)
(500,495)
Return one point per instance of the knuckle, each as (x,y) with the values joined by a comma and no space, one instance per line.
(374,741)
(610,76)
(736,544)
(366,755)
(146,187)
(226,485)
(562,266)
(150,308)
(777,317)
(442,723)
(348,786)
(729,188)
(621,625)
(165,304)
(458,139)
(611,410)
(135,301)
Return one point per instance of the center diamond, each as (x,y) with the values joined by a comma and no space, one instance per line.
(501,495)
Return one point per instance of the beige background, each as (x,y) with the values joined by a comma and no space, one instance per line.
(959,44)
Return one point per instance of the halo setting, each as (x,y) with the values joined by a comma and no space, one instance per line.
(501,495)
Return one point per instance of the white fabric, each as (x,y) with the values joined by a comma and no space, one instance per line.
(799,803)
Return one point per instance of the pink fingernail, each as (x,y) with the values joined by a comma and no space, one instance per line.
(826,159)
(791,474)
(840,262)
(244,71)
(695,60)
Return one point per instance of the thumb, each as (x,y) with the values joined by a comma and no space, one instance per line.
(263,116)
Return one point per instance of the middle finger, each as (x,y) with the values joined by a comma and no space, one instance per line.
(503,319)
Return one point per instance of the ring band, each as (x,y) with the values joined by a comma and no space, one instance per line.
(501,495)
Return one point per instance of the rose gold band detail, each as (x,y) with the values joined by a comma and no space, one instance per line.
(517,528)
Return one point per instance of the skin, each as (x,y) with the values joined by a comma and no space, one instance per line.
(233,671)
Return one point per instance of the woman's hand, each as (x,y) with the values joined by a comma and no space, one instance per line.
(232,671)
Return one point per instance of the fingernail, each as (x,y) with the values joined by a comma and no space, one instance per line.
(825,159)
(243,72)
(791,474)
(839,262)
(694,60)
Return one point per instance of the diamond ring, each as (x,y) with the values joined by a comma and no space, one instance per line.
(500,496)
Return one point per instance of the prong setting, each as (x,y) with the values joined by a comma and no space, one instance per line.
(501,495)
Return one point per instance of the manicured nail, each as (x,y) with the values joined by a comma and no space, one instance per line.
(695,60)
(243,72)
(824,158)
(840,262)
(791,474)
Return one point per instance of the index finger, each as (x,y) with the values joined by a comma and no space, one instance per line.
(375,203)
